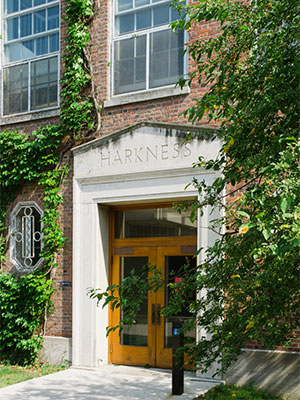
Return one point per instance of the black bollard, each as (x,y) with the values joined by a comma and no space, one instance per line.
(177,362)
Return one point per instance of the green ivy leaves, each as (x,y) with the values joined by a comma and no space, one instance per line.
(23,303)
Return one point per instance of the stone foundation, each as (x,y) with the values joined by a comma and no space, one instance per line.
(57,350)
(276,372)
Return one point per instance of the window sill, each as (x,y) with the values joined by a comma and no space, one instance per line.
(144,96)
(31,116)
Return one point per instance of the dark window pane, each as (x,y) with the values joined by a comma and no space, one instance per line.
(139,3)
(140,46)
(40,21)
(53,94)
(176,64)
(12,6)
(44,83)
(42,45)
(12,28)
(39,2)
(53,17)
(28,49)
(124,5)
(161,15)
(156,222)
(54,42)
(39,72)
(53,68)
(137,334)
(140,63)
(25,4)
(177,40)
(143,19)
(25,25)
(176,269)
(174,14)
(126,49)
(126,23)
(15,89)
(13,52)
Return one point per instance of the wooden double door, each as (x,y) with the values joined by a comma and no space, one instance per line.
(148,341)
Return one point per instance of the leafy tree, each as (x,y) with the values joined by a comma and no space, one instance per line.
(251,274)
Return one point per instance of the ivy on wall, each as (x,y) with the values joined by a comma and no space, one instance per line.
(23,304)
(40,158)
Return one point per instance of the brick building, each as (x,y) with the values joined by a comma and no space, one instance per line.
(118,195)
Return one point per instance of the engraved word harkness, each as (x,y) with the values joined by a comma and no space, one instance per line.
(144,154)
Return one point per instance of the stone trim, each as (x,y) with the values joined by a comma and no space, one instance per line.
(146,95)
(31,116)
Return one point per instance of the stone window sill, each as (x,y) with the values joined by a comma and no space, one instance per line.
(16,119)
(145,96)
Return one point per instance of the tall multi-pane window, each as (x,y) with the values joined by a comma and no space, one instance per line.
(30,59)
(147,54)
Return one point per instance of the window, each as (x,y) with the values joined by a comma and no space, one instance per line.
(30,59)
(26,236)
(146,53)
(153,222)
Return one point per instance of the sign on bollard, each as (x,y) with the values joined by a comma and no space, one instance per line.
(177,361)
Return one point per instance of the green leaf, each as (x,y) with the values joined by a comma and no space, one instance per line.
(266,233)
(283,204)
(244,214)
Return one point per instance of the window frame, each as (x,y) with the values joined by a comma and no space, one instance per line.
(147,31)
(29,60)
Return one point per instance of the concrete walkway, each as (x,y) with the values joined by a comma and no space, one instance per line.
(105,383)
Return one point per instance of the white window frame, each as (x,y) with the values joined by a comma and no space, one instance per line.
(13,236)
(147,32)
(29,60)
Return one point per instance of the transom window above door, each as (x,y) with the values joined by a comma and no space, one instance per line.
(30,62)
(153,222)
(147,54)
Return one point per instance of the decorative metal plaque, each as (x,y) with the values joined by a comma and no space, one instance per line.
(26,237)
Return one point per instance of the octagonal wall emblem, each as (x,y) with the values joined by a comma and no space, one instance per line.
(26,236)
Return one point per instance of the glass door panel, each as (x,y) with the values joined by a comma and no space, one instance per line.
(173,273)
(137,334)
(171,260)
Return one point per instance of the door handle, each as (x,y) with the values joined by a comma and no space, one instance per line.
(155,318)
(153,314)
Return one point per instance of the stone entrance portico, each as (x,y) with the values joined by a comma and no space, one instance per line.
(144,163)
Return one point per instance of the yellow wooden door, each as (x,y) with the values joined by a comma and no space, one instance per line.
(148,341)
(134,345)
